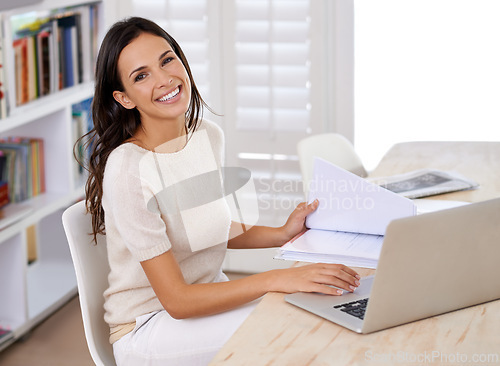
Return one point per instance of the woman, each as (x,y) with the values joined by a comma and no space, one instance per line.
(168,301)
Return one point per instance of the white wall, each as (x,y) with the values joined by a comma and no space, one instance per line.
(425,70)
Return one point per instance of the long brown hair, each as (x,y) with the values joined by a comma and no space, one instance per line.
(113,124)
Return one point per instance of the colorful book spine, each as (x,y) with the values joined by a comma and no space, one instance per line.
(50,52)
(22,167)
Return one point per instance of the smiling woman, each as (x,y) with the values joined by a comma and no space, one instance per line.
(152,187)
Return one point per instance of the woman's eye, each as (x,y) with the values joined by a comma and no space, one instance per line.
(140,77)
(166,60)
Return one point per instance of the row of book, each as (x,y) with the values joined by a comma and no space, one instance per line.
(22,168)
(50,51)
(22,173)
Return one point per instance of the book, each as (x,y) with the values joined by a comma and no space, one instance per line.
(85,36)
(22,166)
(21,69)
(43,59)
(31,68)
(54,40)
(69,48)
(350,221)
(4,193)
(425,182)
(32,244)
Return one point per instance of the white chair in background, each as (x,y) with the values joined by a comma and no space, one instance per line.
(332,147)
(92,269)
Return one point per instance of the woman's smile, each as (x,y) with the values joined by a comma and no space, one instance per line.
(171,96)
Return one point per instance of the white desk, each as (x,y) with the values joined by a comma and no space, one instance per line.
(277,333)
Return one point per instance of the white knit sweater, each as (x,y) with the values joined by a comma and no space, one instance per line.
(147,214)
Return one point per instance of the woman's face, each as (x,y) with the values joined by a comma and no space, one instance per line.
(154,80)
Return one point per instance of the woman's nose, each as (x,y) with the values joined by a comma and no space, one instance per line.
(164,79)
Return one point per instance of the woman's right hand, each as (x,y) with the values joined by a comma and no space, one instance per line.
(317,277)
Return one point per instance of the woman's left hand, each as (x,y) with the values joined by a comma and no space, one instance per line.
(296,222)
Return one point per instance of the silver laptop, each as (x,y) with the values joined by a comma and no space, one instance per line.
(429,264)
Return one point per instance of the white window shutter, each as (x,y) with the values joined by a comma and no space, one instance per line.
(272,65)
(268,96)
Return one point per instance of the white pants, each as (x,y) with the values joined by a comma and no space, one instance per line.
(159,339)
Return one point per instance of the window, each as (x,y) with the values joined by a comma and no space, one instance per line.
(425,70)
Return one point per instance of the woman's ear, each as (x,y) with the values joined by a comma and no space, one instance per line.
(122,98)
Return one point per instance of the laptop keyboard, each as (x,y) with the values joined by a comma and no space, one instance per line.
(355,308)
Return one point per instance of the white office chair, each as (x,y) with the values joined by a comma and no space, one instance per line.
(332,147)
(92,268)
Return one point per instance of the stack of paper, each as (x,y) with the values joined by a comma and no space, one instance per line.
(322,246)
(350,222)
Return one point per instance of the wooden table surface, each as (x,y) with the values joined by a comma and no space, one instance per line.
(277,333)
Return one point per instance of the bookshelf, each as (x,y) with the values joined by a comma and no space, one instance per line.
(32,289)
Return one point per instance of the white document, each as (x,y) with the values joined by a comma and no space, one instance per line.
(322,246)
(350,221)
(350,203)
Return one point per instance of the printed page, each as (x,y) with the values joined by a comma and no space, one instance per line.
(350,203)
(321,246)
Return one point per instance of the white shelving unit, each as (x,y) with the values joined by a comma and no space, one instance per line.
(31,292)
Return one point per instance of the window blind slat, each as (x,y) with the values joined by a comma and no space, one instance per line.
(187,9)
(253,75)
(291,98)
(187,30)
(256,96)
(263,31)
(257,9)
(252,31)
(251,53)
(284,76)
(253,118)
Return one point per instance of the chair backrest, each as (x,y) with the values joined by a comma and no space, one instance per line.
(332,147)
(92,269)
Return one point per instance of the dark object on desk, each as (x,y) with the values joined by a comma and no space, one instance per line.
(425,182)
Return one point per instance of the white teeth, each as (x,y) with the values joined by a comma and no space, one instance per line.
(169,95)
